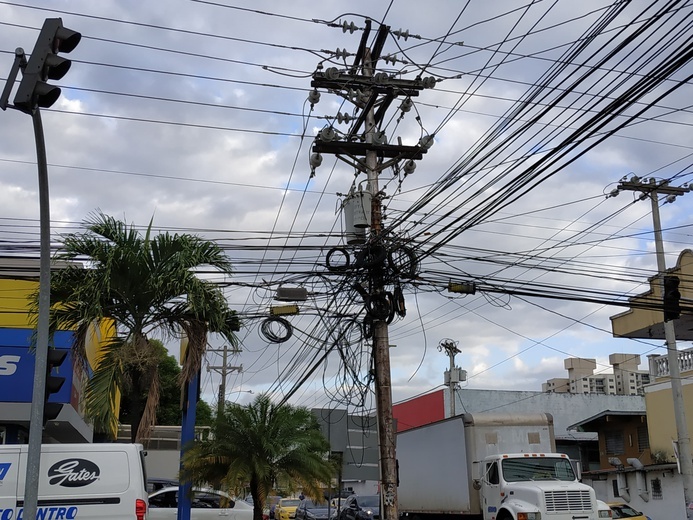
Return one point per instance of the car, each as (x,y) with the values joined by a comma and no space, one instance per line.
(206,503)
(155,484)
(270,503)
(286,508)
(604,509)
(360,507)
(309,509)
(621,510)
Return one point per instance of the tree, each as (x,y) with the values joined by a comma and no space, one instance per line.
(139,284)
(260,444)
(169,412)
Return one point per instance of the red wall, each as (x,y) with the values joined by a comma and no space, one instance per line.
(420,410)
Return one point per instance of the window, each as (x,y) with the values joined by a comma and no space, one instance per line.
(167,499)
(614,485)
(656,486)
(614,443)
(492,473)
(643,438)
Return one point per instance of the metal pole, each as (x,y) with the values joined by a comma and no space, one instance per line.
(39,389)
(452,385)
(222,385)
(684,441)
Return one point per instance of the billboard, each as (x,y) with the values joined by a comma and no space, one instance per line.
(17,362)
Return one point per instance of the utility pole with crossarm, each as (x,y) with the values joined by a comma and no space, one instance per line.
(365,147)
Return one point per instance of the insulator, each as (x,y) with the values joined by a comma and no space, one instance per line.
(381,78)
(313,97)
(341,53)
(402,34)
(426,142)
(351,27)
(344,118)
(315,160)
(327,134)
(332,73)
(380,138)
(390,58)
(406,105)
(409,167)
(429,82)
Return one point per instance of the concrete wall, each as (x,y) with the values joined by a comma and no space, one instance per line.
(660,415)
(567,409)
(670,504)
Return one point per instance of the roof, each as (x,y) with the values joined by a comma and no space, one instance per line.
(603,415)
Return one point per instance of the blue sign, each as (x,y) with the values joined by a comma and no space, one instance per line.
(17,364)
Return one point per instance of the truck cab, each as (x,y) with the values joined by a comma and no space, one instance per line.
(533,486)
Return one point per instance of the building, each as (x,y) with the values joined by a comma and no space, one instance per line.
(18,280)
(643,472)
(626,378)
(566,409)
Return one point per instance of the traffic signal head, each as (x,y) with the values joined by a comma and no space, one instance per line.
(53,384)
(44,63)
(671,298)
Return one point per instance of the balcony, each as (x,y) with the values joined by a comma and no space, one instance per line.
(659,365)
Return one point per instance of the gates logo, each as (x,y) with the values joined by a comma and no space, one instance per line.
(73,473)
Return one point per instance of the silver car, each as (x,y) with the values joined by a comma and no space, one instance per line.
(206,503)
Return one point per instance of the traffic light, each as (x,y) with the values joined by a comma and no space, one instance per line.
(44,63)
(671,298)
(53,384)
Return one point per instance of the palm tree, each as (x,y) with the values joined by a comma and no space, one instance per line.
(141,285)
(260,444)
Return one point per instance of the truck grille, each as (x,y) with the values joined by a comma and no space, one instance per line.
(558,501)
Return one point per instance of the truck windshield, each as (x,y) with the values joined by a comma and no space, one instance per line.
(517,470)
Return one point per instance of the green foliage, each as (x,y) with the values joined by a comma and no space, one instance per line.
(142,284)
(258,445)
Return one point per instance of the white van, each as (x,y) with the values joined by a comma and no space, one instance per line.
(77,481)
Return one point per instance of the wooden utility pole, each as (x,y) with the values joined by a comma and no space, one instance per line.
(365,149)
(223,369)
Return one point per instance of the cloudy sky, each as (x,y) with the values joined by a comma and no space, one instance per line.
(198,116)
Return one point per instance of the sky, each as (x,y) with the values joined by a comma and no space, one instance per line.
(200,119)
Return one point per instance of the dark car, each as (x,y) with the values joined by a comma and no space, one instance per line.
(310,510)
(361,507)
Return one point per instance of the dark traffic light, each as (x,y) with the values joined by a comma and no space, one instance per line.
(44,63)
(671,298)
(53,384)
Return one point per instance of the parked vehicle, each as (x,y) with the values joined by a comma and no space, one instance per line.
(310,510)
(206,503)
(497,466)
(270,504)
(360,507)
(621,510)
(99,481)
(286,508)
(155,484)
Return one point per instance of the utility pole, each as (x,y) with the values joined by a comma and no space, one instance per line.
(224,369)
(454,374)
(653,189)
(366,149)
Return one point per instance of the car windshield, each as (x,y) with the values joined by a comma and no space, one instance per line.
(534,468)
(289,503)
(367,501)
(624,511)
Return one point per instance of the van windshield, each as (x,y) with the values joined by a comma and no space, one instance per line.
(534,468)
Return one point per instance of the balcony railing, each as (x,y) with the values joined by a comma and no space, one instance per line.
(659,365)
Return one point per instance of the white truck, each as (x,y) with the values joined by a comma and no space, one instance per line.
(491,467)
